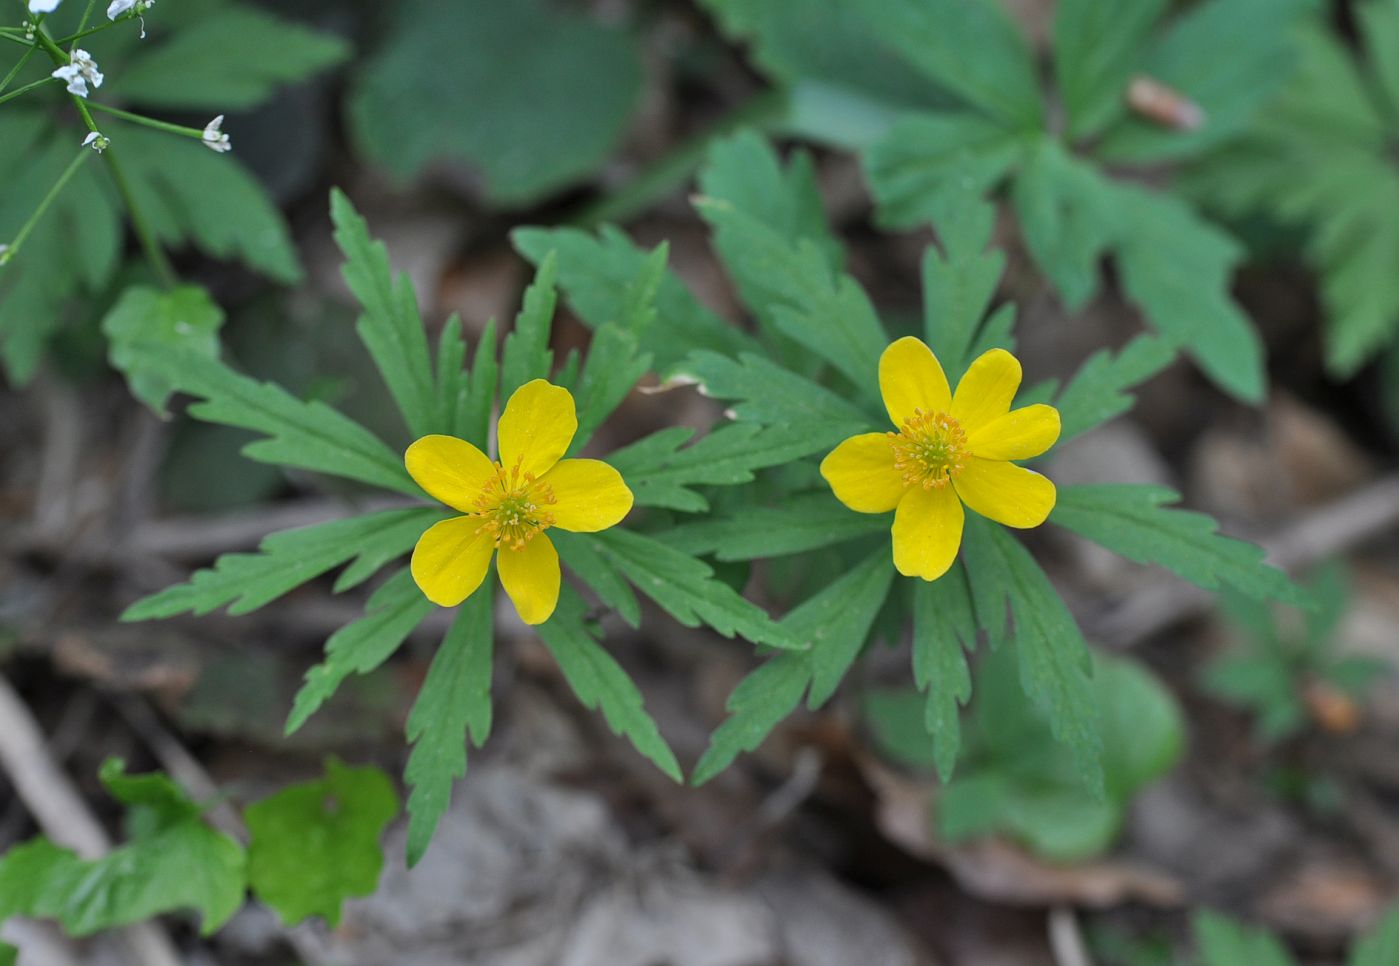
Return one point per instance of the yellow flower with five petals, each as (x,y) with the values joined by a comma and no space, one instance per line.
(508,504)
(949,449)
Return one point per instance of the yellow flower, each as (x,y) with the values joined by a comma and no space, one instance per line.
(949,450)
(509,504)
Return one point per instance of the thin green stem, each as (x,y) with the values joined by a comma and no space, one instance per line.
(14,71)
(191,132)
(75,37)
(16,39)
(48,200)
(87,15)
(21,91)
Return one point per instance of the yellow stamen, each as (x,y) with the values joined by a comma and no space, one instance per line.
(929,450)
(512,507)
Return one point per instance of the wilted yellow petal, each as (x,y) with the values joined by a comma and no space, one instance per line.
(450,469)
(450,560)
(1018,435)
(986,391)
(862,475)
(530,576)
(910,377)
(927,532)
(590,495)
(538,424)
(1004,492)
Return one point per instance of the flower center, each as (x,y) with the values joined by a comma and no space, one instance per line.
(513,507)
(929,450)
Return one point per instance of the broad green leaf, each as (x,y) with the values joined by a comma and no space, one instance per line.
(313,845)
(539,96)
(1096,48)
(835,623)
(526,354)
(391,614)
(808,301)
(590,565)
(288,559)
(600,683)
(1224,942)
(927,165)
(454,702)
(1380,945)
(806,521)
(309,435)
(1096,394)
(1379,23)
(9,955)
(230,58)
(184,317)
(687,589)
(596,274)
(969,47)
(1054,660)
(944,629)
(1131,520)
(959,281)
(760,702)
(391,327)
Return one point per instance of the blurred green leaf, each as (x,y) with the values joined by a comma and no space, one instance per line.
(184,317)
(1096,393)
(526,354)
(1224,942)
(1380,946)
(1096,48)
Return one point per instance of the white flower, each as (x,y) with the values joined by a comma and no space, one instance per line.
(97,140)
(81,72)
(214,138)
(118,7)
(43,6)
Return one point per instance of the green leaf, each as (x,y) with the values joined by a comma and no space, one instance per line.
(1096,394)
(927,165)
(473,420)
(309,435)
(454,701)
(836,622)
(760,702)
(1381,945)
(806,298)
(600,683)
(313,845)
(1096,48)
(543,95)
(184,317)
(687,589)
(969,47)
(594,569)
(1054,660)
(1130,520)
(187,193)
(944,629)
(597,275)
(805,521)
(526,355)
(390,327)
(1379,22)
(391,614)
(770,395)
(959,282)
(1224,942)
(230,58)
(615,365)
(9,955)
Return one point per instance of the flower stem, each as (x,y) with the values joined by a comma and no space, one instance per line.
(19,66)
(191,132)
(87,15)
(38,214)
(20,91)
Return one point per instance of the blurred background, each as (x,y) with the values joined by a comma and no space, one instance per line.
(449,125)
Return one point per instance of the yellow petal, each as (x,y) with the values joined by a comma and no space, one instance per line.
(591,495)
(450,469)
(451,559)
(538,424)
(862,475)
(986,391)
(530,576)
(927,532)
(1018,435)
(910,377)
(1004,492)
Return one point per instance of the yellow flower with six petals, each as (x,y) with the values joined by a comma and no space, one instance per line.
(510,503)
(949,449)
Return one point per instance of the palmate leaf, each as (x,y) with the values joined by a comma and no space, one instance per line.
(312,846)
(285,560)
(390,327)
(391,614)
(454,703)
(801,522)
(834,625)
(687,589)
(1097,46)
(600,683)
(1130,520)
(309,435)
